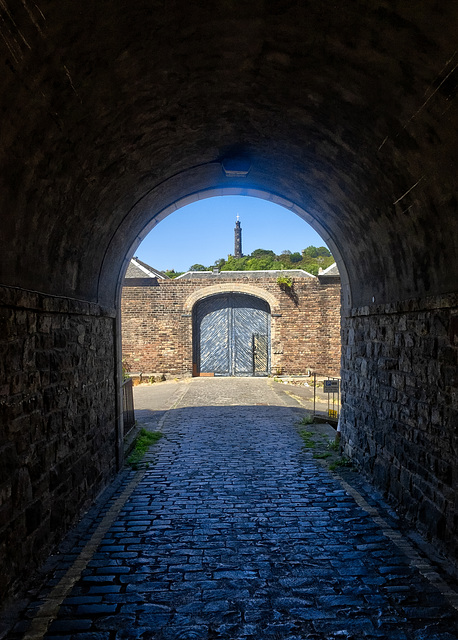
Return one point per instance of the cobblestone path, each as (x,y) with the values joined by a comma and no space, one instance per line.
(234,532)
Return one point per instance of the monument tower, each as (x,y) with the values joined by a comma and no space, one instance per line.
(238,239)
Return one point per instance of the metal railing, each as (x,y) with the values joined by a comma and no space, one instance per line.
(128,405)
(331,387)
(318,393)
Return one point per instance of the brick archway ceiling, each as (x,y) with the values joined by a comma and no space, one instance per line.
(112,111)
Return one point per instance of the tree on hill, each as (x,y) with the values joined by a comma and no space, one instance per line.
(171,273)
(310,260)
(259,264)
(235,264)
(262,253)
(315,252)
(313,269)
(310,252)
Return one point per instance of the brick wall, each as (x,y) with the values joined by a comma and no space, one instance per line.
(157,325)
(400,407)
(57,402)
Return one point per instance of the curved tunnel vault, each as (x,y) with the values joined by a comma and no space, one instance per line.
(349,114)
(113,113)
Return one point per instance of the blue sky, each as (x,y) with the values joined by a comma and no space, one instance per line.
(203,231)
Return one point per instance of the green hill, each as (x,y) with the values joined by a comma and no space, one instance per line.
(310,259)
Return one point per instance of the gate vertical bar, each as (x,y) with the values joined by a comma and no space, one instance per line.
(338,402)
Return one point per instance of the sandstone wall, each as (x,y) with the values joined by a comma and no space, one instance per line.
(400,407)
(157,329)
(57,412)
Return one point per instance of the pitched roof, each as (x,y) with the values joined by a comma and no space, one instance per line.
(330,271)
(139,269)
(329,275)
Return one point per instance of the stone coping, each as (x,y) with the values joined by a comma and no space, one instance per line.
(252,274)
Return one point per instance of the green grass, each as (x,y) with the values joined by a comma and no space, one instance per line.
(307,438)
(322,456)
(307,419)
(334,445)
(341,462)
(143,442)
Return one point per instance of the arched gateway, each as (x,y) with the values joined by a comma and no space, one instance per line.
(231,335)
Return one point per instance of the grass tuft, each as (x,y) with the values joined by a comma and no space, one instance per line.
(341,462)
(143,442)
(322,456)
(307,438)
(334,445)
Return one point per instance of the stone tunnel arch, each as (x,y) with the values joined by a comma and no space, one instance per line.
(350,114)
(148,200)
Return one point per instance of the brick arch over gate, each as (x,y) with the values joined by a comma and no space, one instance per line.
(231,335)
(201,294)
(214,290)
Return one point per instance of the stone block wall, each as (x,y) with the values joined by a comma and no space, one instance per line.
(57,416)
(400,407)
(157,327)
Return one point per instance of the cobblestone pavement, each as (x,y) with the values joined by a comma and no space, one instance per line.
(233,532)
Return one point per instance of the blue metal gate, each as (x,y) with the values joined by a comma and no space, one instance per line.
(232,335)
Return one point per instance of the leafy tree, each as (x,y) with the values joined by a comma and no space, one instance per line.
(265,260)
(259,264)
(235,264)
(310,252)
(262,253)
